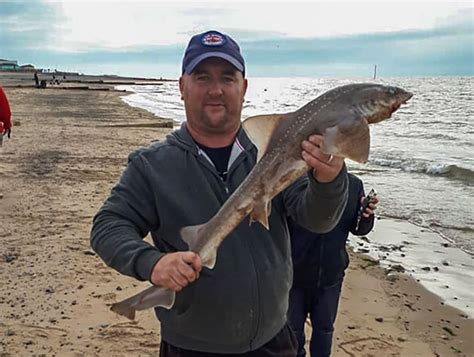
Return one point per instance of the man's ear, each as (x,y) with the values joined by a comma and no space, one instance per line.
(245,84)
(181,86)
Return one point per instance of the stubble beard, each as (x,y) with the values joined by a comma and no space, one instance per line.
(223,125)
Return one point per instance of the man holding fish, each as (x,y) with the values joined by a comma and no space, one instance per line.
(220,278)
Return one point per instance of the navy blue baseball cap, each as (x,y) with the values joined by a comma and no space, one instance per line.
(212,44)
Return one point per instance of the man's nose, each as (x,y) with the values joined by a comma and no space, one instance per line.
(215,88)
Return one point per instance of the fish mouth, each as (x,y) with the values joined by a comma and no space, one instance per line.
(405,97)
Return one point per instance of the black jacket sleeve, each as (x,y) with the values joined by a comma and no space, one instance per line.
(317,206)
(125,218)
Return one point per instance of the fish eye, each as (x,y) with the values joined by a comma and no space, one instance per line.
(391,90)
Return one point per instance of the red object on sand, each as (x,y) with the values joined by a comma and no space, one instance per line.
(5,113)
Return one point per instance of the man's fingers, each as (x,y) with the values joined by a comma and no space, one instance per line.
(316,140)
(176,270)
(192,259)
(315,151)
(176,283)
(187,272)
(320,161)
(367,212)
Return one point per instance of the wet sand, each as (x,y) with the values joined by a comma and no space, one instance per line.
(67,150)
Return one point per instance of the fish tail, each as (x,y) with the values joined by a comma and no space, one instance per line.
(123,308)
(152,297)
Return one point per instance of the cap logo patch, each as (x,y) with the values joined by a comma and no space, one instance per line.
(212,39)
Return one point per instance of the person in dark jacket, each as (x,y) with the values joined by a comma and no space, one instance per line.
(37,83)
(319,262)
(239,307)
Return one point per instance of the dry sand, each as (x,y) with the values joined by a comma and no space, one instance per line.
(67,150)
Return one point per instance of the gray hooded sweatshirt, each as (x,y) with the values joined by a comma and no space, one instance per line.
(242,303)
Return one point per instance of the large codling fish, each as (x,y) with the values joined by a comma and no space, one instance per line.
(340,115)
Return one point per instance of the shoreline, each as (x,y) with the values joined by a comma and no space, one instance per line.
(66,152)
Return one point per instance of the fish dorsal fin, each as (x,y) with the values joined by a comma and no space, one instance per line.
(260,128)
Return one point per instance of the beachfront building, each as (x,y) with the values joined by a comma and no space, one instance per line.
(7,65)
(27,68)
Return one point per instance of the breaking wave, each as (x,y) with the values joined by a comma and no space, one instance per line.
(450,171)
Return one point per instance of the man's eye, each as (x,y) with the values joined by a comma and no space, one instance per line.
(229,79)
(202,77)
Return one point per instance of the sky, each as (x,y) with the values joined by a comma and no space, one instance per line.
(278,39)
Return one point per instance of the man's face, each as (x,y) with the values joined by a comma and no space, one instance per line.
(213,95)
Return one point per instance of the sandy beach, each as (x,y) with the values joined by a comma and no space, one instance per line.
(67,150)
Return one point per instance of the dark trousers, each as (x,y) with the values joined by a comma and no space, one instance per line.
(284,344)
(321,306)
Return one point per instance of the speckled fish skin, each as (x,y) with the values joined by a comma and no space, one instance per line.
(340,115)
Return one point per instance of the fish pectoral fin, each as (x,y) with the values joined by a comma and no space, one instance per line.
(260,128)
(123,309)
(351,142)
(260,213)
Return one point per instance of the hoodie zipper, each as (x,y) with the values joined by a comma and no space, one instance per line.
(256,306)
(208,165)
(256,292)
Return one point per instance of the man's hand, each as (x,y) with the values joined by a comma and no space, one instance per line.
(325,167)
(369,210)
(176,270)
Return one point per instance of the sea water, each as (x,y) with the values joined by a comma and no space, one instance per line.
(421,160)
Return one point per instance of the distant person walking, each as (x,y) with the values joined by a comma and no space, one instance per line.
(37,83)
(5,116)
(319,262)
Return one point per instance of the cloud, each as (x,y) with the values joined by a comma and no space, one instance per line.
(48,35)
(443,50)
(27,24)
